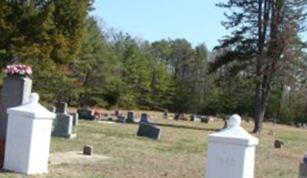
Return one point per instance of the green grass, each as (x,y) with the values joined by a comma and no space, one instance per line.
(179,153)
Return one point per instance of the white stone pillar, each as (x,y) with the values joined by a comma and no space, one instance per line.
(28,138)
(231,152)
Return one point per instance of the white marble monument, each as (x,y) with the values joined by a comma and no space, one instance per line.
(28,138)
(231,152)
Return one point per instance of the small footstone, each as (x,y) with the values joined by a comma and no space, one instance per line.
(88,150)
(278,144)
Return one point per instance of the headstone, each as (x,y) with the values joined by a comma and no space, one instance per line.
(204,119)
(148,130)
(176,116)
(85,113)
(130,117)
(305,159)
(61,107)
(88,150)
(303,170)
(16,91)
(231,152)
(165,114)
(144,118)
(303,167)
(51,108)
(28,138)
(105,115)
(192,117)
(121,119)
(195,118)
(75,117)
(63,126)
(116,113)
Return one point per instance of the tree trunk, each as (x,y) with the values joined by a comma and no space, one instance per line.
(259,117)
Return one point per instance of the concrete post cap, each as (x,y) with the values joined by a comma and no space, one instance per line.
(234,121)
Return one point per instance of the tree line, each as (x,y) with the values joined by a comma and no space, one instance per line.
(258,71)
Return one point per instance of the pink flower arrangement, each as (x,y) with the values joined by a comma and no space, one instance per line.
(18,69)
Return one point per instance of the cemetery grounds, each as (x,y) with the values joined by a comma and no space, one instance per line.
(179,153)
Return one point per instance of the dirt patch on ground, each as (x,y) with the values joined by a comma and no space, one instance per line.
(75,157)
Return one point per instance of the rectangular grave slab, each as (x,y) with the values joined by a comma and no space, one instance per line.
(149,131)
(63,126)
(61,107)
(85,114)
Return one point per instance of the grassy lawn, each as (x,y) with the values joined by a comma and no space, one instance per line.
(179,153)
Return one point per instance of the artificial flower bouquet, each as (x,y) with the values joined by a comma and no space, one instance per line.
(18,69)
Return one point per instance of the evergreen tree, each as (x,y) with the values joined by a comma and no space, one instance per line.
(263,31)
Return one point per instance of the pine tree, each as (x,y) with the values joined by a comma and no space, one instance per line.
(263,31)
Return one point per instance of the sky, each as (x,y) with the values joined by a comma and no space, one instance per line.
(198,21)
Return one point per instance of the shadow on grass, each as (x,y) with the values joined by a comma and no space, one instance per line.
(175,126)
(186,127)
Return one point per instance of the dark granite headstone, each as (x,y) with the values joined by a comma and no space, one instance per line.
(63,126)
(176,116)
(305,159)
(121,119)
(86,114)
(16,91)
(61,107)
(303,170)
(130,117)
(144,118)
(148,130)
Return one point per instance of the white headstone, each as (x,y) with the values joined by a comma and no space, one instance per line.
(28,138)
(231,152)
